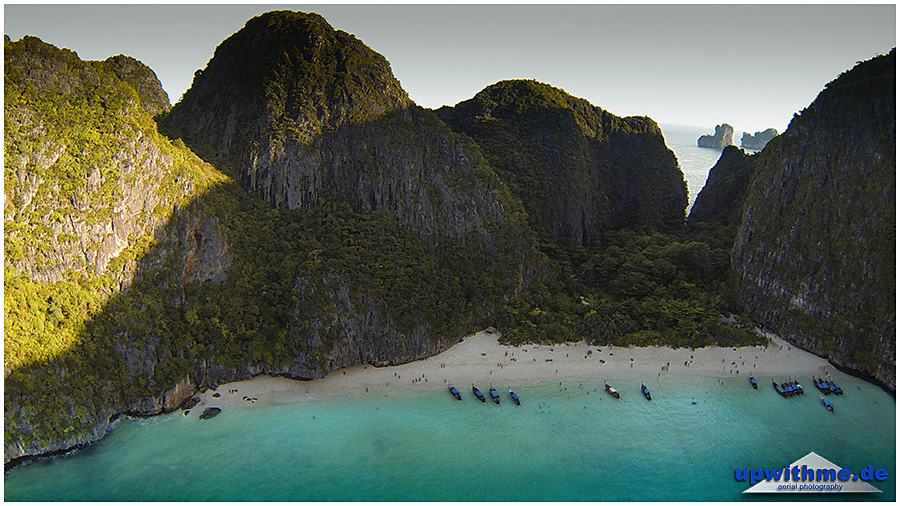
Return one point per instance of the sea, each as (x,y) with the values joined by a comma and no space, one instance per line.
(568,441)
(695,161)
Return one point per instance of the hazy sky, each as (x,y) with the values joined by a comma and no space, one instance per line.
(752,66)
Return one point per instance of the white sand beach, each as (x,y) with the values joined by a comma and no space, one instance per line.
(482,360)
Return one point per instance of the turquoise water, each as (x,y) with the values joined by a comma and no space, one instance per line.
(569,442)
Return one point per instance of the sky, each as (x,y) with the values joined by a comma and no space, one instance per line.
(751,66)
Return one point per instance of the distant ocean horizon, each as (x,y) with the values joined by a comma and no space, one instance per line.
(566,442)
(695,161)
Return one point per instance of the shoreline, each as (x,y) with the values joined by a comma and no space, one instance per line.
(480,359)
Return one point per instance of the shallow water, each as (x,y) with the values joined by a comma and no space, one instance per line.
(569,442)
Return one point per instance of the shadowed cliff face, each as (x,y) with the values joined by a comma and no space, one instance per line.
(816,247)
(307,114)
(722,198)
(579,169)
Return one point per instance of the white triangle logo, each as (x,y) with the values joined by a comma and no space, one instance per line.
(823,479)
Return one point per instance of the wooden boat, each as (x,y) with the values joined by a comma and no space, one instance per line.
(780,392)
(612,391)
(478,393)
(829,406)
(798,388)
(835,388)
(514,397)
(789,389)
(645,391)
(822,385)
(494,395)
(455,393)
(753,382)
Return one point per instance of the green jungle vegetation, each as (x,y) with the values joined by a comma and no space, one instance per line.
(79,346)
(632,289)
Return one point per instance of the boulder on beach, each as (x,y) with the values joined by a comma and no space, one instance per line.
(190,403)
(209,413)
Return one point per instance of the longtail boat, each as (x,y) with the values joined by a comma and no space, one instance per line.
(494,395)
(612,391)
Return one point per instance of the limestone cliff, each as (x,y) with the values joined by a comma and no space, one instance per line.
(307,113)
(579,169)
(759,140)
(95,201)
(723,137)
(815,252)
(722,198)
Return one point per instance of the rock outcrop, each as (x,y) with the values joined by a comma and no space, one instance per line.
(308,114)
(210,412)
(723,137)
(816,253)
(759,140)
(722,198)
(579,169)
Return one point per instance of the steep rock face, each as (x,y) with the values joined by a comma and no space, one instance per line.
(309,114)
(722,198)
(815,252)
(91,429)
(360,332)
(94,203)
(578,168)
(759,140)
(723,137)
(79,193)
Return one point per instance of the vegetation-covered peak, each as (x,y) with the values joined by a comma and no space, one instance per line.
(512,99)
(286,74)
(578,168)
(870,84)
(34,64)
(142,78)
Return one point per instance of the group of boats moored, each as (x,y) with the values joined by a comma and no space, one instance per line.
(493,393)
(791,388)
(827,386)
(788,388)
(515,398)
